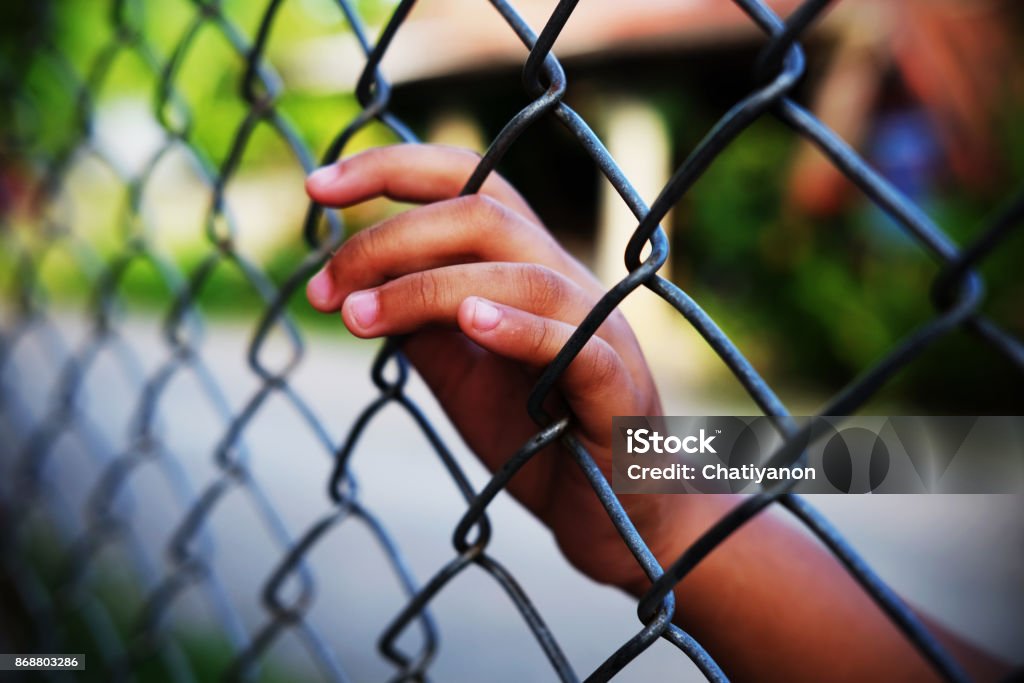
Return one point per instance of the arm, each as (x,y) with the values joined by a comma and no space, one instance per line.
(487,299)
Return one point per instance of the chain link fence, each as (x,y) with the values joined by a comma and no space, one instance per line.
(33,438)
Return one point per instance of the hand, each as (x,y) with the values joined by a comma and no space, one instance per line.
(488,298)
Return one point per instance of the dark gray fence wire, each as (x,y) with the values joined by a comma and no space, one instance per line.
(957,293)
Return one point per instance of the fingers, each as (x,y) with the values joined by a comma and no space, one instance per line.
(462,230)
(432,297)
(596,383)
(416,270)
(409,173)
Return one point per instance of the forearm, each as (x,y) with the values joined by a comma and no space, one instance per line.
(771,603)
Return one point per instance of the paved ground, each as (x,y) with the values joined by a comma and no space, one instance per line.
(958,558)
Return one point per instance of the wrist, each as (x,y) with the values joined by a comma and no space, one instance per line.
(669,524)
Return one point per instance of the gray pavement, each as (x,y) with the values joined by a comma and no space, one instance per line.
(958,558)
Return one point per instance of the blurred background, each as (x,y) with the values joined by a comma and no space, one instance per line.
(772,239)
(812,281)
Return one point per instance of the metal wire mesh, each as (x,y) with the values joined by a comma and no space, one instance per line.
(28,491)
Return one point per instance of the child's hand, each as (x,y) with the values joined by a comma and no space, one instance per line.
(488,298)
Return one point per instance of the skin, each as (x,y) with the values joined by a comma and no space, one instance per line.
(487,298)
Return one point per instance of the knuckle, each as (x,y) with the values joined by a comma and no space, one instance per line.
(370,158)
(358,252)
(542,342)
(603,363)
(615,327)
(542,287)
(427,289)
(481,211)
(363,245)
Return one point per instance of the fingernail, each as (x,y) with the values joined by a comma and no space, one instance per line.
(485,316)
(325,174)
(363,307)
(320,288)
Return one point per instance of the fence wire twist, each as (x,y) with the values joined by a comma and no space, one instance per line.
(107,515)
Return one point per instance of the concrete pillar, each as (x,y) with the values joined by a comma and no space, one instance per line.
(638,138)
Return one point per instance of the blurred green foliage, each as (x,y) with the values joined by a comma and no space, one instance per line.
(821,301)
(208,77)
(204,649)
(44,121)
